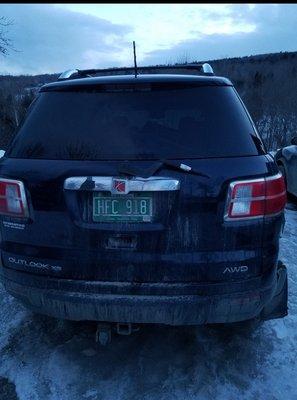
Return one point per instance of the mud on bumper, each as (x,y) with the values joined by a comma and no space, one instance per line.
(164,303)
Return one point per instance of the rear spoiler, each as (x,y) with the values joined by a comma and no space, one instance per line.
(204,68)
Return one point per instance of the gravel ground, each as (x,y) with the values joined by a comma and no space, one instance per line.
(46,359)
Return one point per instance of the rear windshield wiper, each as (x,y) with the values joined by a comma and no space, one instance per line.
(127,168)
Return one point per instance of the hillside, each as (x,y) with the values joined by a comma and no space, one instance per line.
(267,83)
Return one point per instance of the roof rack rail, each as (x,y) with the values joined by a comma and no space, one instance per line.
(205,68)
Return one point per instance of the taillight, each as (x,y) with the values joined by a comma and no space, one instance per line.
(13,200)
(256,198)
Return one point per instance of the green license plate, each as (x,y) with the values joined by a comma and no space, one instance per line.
(120,208)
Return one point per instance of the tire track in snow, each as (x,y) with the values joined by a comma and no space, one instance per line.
(48,359)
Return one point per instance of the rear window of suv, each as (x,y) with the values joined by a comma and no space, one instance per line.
(149,123)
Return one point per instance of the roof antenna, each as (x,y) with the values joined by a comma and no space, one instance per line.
(135,63)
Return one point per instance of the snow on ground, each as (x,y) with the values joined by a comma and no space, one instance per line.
(49,359)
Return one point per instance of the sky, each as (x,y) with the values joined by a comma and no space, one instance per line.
(51,38)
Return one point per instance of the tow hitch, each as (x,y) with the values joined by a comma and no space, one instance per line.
(104,331)
(103,334)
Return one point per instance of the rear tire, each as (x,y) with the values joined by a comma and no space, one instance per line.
(278,305)
(234,328)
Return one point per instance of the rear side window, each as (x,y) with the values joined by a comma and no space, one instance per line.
(183,122)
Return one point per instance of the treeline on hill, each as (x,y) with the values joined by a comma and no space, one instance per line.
(16,94)
(267,84)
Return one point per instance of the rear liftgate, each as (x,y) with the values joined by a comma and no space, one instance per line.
(120,200)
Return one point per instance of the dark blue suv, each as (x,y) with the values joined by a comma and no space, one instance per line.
(142,199)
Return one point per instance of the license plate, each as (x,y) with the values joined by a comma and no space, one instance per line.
(119,208)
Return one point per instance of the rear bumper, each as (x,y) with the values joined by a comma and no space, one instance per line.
(164,303)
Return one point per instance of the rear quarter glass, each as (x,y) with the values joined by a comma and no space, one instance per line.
(176,122)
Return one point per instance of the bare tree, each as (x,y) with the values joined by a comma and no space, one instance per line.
(5,42)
